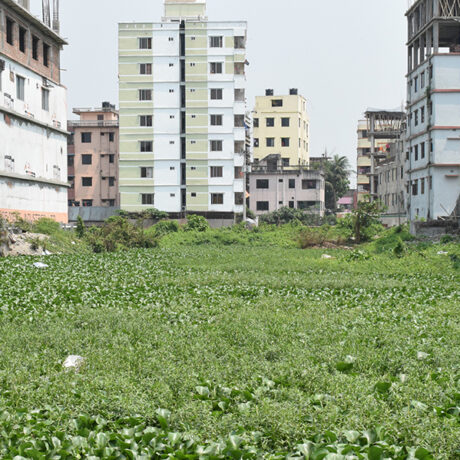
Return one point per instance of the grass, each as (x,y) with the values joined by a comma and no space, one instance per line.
(249,351)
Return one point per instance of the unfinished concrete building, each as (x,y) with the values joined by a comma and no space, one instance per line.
(433,104)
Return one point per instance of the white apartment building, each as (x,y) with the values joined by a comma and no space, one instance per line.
(33,116)
(433,127)
(182,112)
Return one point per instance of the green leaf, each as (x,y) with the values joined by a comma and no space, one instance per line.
(343,366)
(375,453)
(422,453)
(383,387)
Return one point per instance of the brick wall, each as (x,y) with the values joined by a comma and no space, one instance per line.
(52,71)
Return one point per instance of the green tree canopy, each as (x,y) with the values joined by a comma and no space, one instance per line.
(337,182)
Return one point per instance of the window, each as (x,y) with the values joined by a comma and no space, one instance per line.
(171,91)
(147,198)
(416,118)
(70,161)
(422,115)
(146,146)
(87,203)
(270,141)
(216,120)
(100,117)
(256,142)
(286,162)
(238,172)
(146,69)
(416,152)
(239,121)
(35,47)
(306,204)
(415,187)
(22,39)
(145,94)
(86,138)
(262,206)
(217,198)
(145,43)
(111,158)
(216,67)
(111,137)
(422,186)
(146,120)
(10,31)
(217,171)
(111,181)
(308,184)
(285,122)
(216,146)
(256,122)
(46,54)
(87,181)
(422,150)
(422,80)
(239,198)
(262,183)
(216,42)
(87,159)
(285,142)
(20,87)
(171,39)
(277,103)
(291,205)
(291,183)
(240,42)
(416,84)
(270,122)
(45,99)
(216,94)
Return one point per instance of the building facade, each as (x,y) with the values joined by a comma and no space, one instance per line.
(272,186)
(433,104)
(33,116)
(182,112)
(93,157)
(281,126)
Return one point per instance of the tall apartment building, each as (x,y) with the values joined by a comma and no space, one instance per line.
(182,112)
(281,126)
(93,157)
(433,104)
(33,118)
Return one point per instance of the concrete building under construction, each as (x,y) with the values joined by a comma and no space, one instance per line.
(433,105)
(33,118)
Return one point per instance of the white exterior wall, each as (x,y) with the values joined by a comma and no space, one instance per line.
(32,148)
(441,135)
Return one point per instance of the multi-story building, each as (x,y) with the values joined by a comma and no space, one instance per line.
(274,186)
(281,126)
(182,112)
(433,104)
(33,118)
(93,157)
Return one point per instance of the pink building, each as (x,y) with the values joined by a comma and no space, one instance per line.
(93,155)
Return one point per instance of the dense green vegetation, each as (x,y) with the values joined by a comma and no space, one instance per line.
(245,350)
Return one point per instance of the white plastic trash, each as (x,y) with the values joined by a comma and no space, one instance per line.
(40,265)
(326,256)
(443,253)
(73,362)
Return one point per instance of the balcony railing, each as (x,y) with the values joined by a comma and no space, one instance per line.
(93,123)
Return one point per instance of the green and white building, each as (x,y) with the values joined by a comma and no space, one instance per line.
(182,112)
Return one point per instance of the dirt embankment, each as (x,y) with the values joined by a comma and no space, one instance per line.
(23,244)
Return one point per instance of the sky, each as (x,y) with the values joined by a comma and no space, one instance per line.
(343,55)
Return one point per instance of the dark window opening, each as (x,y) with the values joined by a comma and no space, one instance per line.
(85,138)
(262,206)
(22,39)
(147,198)
(308,184)
(217,198)
(146,146)
(270,122)
(10,31)
(111,181)
(35,48)
(87,159)
(285,122)
(277,103)
(87,181)
(146,120)
(46,55)
(111,158)
(262,183)
(87,203)
(291,183)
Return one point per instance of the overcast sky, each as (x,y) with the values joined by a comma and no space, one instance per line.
(343,55)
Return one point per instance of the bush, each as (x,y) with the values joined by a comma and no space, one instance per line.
(118,234)
(196,223)
(46,226)
(311,237)
(21,223)
(446,239)
(287,215)
(80,230)
(163,227)
(154,214)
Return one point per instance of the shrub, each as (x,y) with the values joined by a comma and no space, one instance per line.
(287,215)
(196,223)
(46,226)
(118,234)
(154,214)
(21,223)
(163,227)
(446,239)
(309,237)
(400,248)
(80,230)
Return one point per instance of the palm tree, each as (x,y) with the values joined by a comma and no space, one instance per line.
(337,183)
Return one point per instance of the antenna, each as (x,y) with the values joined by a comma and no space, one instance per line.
(46,12)
(56,24)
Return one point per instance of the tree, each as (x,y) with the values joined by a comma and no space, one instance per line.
(337,182)
(364,216)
